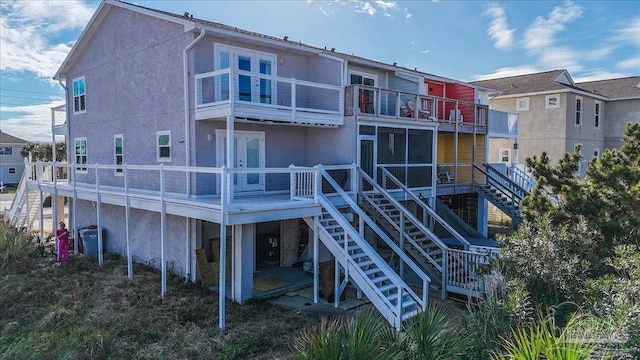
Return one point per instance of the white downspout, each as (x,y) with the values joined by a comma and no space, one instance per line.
(187,144)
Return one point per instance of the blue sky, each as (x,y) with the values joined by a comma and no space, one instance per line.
(463,40)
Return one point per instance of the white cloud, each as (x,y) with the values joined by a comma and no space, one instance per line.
(630,31)
(631,64)
(598,75)
(559,58)
(33,123)
(28,31)
(499,29)
(385,5)
(506,72)
(541,33)
(599,54)
(367,8)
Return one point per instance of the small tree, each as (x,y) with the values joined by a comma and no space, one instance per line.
(44,152)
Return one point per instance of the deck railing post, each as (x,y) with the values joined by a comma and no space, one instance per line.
(445,271)
(292,182)
(98,216)
(293,99)
(163,289)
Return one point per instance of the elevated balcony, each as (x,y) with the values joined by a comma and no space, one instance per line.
(371,102)
(503,124)
(268,98)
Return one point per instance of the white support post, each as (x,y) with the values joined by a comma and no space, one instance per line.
(54,198)
(401,244)
(162,231)
(316,256)
(231,154)
(127,222)
(99,217)
(41,216)
(187,260)
(293,99)
(223,251)
(76,234)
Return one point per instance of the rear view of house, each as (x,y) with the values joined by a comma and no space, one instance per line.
(192,137)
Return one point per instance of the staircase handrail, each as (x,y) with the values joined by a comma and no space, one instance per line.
(432,236)
(18,197)
(348,228)
(431,211)
(510,185)
(501,187)
(527,180)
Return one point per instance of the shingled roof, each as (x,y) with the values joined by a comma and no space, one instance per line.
(531,83)
(10,139)
(622,88)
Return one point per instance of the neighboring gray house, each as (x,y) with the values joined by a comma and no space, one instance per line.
(333,157)
(557,114)
(623,106)
(11,162)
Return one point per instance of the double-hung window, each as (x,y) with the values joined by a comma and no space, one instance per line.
(79,96)
(118,153)
(81,153)
(596,117)
(163,144)
(578,111)
(6,150)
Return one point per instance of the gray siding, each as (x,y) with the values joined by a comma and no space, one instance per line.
(618,114)
(135,103)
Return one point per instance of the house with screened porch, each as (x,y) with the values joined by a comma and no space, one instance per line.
(191,139)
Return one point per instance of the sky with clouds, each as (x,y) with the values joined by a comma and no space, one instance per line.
(463,40)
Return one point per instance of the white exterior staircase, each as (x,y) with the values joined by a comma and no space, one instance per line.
(420,230)
(396,300)
(24,208)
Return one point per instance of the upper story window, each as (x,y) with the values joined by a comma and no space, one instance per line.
(118,153)
(578,110)
(596,153)
(366,96)
(596,116)
(522,104)
(81,153)
(163,143)
(6,150)
(79,96)
(552,102)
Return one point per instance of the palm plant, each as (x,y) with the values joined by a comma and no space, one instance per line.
(544,341)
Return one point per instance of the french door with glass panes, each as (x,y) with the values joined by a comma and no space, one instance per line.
(253,70)
(249,153)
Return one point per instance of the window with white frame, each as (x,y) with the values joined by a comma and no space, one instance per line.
(118,153)
(522,104)
(552,101)
(6,150)
(578,147)
(596,115)
(596,153)
(163,144)
(79,96)
(505,155)
(81,153)
(578,111)
(12,170)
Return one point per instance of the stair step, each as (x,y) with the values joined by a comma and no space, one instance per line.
(387,287)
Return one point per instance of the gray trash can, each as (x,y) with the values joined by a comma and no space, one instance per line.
(90,242)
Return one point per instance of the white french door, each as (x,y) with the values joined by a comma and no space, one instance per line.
(249,154)
(251,66)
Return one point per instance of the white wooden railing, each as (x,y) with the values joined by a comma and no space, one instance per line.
(153,181)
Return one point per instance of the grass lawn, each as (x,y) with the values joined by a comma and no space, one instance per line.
(82,311)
